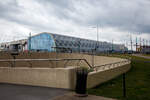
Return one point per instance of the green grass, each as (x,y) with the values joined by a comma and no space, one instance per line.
(146,55)
(137,82)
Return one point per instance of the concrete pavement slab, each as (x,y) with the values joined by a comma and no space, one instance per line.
(21,92)
(71,96)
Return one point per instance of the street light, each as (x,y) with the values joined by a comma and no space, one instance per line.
(97,38)
(95,46)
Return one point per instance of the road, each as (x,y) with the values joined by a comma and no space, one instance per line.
(20,92)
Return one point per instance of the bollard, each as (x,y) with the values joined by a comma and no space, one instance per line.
(81,82)
(124,86)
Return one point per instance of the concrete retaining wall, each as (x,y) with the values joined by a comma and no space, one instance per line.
(49,77)
(98,60)
(99,77)
(57,77)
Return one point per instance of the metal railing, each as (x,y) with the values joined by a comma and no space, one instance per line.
(111,65)
(12,61)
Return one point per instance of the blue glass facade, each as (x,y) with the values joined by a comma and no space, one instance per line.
(55,42)
(41,42)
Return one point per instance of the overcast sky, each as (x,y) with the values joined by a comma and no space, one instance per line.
(116,18)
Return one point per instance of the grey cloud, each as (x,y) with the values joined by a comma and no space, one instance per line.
(10,6)
(125,15)
(11,11)
(60,8)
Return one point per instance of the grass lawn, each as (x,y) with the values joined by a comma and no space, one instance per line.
(137,82)
(146,55)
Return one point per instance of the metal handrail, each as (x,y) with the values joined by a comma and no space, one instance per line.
(28,60)
(110,64)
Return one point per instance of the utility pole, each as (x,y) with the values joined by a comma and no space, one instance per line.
(136,44)
(112,45)
(96,47)
(143,46)
(140,45)
(79,43)
(97,33)
(140,41)
(143,42)
(131,42)
(97,41)
(29,41)
(146,42)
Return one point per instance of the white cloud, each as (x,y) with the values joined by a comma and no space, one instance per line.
(76,17)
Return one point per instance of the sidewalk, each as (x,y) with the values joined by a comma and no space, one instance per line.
(139,55)
(71,96)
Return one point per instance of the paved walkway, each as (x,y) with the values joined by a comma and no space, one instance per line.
(71,96)
(139,55)
(20,92)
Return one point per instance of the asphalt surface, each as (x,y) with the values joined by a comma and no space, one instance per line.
(21,92)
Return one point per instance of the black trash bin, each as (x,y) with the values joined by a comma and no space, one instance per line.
(81,81)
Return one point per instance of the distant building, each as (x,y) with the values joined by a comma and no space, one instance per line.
(19,45)
(143,49)
(51,42)
(60,43)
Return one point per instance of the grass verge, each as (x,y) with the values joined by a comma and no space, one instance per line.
(137,82)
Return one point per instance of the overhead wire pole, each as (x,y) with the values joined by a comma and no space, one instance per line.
(133,22)
(79,43)
(131,42)
(112,45)
(96,46)
(143,42)
(140,44)
(30,41)
(97,39)
(146,42)
(136,44)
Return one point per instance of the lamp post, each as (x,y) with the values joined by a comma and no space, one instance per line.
(112,45)
(131,42)
(97,37)
(96,46)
